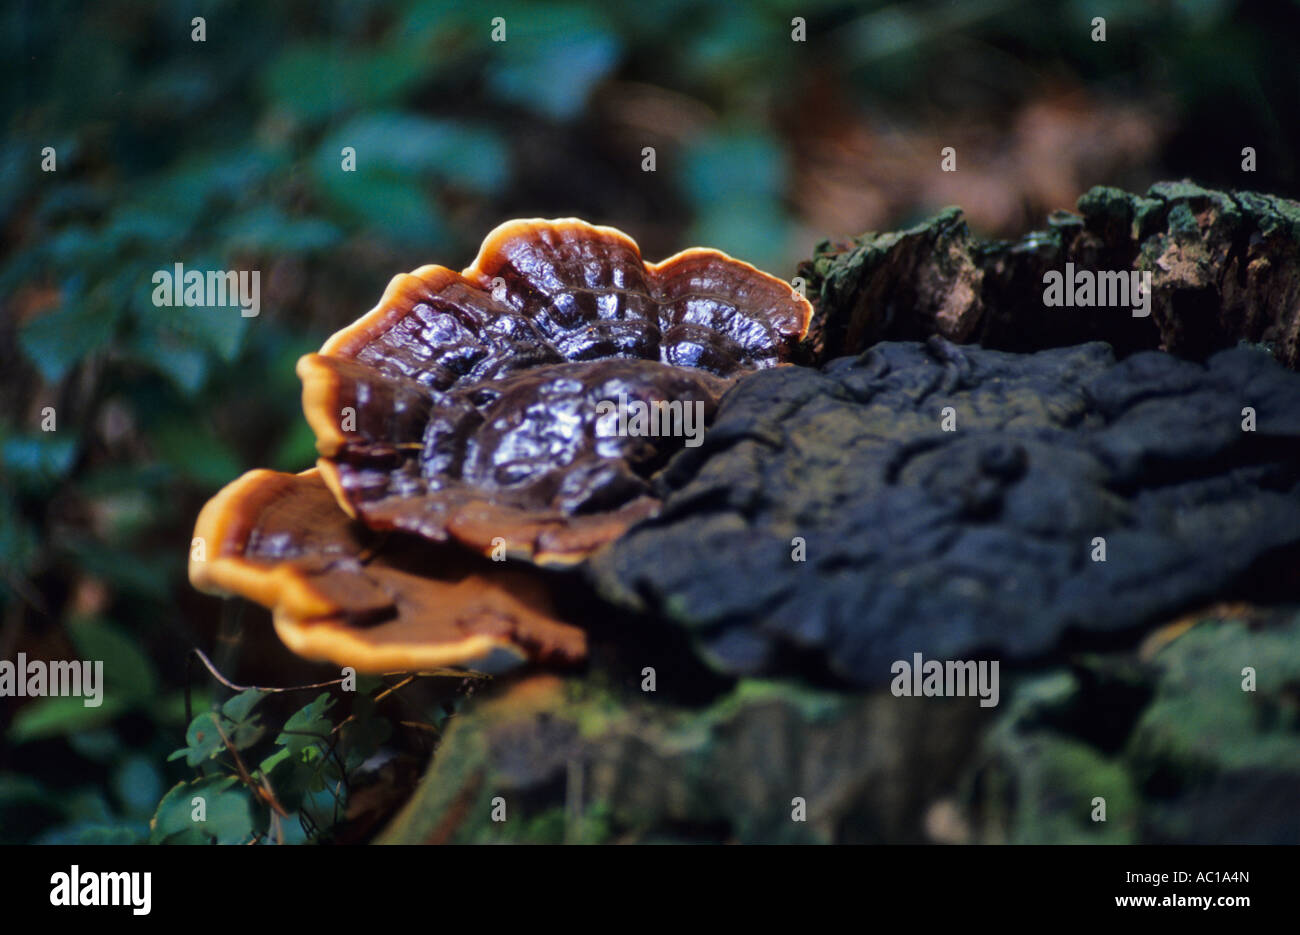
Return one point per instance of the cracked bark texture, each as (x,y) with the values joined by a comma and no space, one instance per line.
(1225,267)
(960,544)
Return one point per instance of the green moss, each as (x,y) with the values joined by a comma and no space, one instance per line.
(1202,721)
(1196,744)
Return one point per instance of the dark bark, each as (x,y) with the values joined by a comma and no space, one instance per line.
(1225,268)
(974,533)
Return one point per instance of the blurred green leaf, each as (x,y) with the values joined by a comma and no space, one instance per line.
(267,229)
(730,167)
(132,227)
(101,744)
(88,804)
(198,179)
(18,540)
(297,448)
(195,452)
(736,50)
(128,671)
(38,461)
(405,145)
(186,367)
(394,208)
(133,571)
(58,339)
(73,247)
(138,783)
(523,68)
(314,80)
(217,329)
(60,716)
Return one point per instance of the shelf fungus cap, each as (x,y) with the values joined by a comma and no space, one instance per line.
(499,406)
(341,593)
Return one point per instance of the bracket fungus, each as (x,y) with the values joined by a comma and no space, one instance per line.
(342,593)
(467,405)
(470,409)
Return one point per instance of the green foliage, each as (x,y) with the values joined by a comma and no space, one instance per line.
(60,717)
(281,786)
(525,71)
(130,682)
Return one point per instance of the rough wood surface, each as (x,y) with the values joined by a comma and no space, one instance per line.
(1225,267)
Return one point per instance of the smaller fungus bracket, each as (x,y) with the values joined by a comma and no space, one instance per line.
(342,593)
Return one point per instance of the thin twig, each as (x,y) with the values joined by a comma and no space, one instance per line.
(243,688)
(379,696)
(445,673)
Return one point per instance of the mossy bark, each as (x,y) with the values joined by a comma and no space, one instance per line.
(1166,735)
(1225,268)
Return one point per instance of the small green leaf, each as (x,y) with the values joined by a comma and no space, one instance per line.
(241,706)
(225,809)
(203,739)
(307,728)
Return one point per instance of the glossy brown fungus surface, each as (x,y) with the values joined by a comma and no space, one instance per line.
(468,405)
(342,593)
